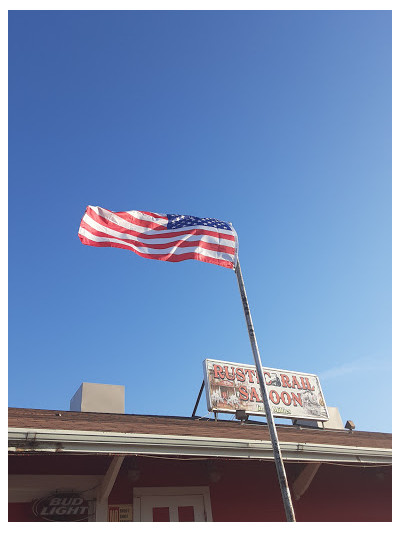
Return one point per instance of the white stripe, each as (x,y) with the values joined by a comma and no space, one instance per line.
(113,233)
(173,250)
(113,217)
(128,225)
(143,216)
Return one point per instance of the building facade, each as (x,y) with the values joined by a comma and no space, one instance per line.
(88,466)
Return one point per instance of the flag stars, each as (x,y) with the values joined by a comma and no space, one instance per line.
(181,221)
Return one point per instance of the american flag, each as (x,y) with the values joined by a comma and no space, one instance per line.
(164,237)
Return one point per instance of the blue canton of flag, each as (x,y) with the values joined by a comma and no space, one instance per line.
(182,221)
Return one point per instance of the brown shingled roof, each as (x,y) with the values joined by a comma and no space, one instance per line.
(168,425)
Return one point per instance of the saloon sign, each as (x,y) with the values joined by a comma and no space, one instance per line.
(62,507)
(232,386)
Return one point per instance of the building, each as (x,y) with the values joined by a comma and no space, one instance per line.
(99,466)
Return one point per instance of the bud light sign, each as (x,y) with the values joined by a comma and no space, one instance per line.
(62,507)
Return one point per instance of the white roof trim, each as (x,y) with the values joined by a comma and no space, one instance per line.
(66,441)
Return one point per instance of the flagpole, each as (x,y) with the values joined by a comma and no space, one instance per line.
(280,468)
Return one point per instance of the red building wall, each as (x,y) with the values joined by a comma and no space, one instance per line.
(249,491)
(348,494)
(240,490)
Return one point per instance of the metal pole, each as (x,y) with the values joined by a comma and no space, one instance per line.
(287,500)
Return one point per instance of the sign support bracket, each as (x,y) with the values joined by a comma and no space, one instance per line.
(198,399)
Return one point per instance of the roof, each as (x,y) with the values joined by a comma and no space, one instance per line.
(200,427)
(77,432)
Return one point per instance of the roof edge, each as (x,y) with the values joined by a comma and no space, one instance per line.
(24,440)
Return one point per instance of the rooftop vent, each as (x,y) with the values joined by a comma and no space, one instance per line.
(99,398)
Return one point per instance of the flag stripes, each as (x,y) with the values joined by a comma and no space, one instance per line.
(150,235)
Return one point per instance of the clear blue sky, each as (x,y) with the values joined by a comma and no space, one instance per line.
(278,121)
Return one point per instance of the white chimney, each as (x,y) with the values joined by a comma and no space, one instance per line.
(99,398)
(334,422)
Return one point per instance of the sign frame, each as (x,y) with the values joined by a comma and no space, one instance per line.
(311,380)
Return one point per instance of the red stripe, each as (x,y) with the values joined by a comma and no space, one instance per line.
(116,227)
(182,243)
(139,222)
(161,257)
(163,233)
(155,215)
